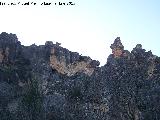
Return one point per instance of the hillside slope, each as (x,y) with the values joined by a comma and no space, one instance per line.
(49,82)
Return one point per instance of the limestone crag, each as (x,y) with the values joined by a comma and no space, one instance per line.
(117,47)
(49,82)
(70,69)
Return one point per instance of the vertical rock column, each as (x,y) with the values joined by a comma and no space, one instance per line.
(117,48)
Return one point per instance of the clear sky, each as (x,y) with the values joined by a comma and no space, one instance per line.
(88,27)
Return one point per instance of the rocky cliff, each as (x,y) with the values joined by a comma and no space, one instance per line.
(49,82)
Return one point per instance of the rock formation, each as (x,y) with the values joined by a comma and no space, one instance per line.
(49,82)
(79,65)
(117,48)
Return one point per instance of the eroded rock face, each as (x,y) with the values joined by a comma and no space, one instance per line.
(117,48)
(4,54)
(71,68)
(1,55)
(117,52)
(9,47)
(50,82)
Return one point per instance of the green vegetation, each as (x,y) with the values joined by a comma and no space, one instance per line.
(32,100)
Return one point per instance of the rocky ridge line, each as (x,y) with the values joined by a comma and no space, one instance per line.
(49,82)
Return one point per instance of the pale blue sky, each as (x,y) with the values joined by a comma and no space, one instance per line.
(89,27)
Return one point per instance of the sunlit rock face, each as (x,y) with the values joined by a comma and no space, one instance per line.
(71,68)
(117,48)
(117,52)
(49,82)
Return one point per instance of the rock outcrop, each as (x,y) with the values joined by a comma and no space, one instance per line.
(64,65)
(49,82)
